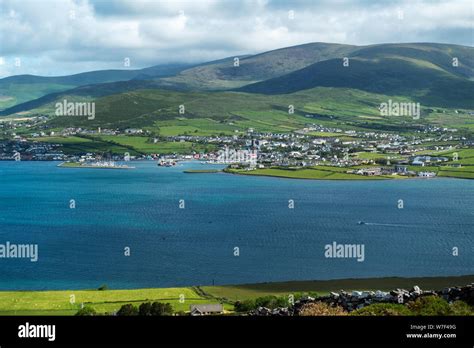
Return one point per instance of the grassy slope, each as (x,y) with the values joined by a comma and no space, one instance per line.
(121,144)
(422,71)
(23,88)
(19,93)
(209,113)
(392,68)
(223,74)
(219,75)
(77,145)
(144,145)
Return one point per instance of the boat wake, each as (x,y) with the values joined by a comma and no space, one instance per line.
(386,225)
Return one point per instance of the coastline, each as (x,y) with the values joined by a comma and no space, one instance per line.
(76,165)
(353,177)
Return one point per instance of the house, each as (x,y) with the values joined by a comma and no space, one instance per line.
(401,169)
(370,171)
(206,309)
(133,131)
(427,174)
(419,161)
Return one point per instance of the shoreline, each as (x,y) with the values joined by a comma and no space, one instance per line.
(76,165)
(310,179)
(336,282)
(249,173)
(383,178)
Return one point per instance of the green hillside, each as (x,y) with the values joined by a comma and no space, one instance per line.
(18,89)
(325,92)
(224,75)
(209,113)
(427,76)
(25,92)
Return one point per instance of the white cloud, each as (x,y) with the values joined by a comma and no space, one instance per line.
(68,36)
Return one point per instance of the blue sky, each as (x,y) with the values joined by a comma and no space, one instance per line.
(58,37)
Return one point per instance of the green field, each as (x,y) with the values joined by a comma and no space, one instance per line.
(147,146)
(121,144)
(75,145)
(104,301)
(377,155)
(314,173)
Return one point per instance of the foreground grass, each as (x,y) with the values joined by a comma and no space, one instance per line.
(104,301)
(108,301)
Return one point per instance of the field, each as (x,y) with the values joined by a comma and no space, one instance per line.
(76,145)
(68,302)
(376,155)
(134,145)
(315,173)
(145,146)
(104,301)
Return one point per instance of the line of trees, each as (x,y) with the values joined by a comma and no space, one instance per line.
(146,309)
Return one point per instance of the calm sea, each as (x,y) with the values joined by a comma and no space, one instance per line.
(170,246)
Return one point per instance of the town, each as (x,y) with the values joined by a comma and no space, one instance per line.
(361,152)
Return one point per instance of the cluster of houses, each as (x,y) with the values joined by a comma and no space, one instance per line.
(312,145)
(21,149)
(396,170)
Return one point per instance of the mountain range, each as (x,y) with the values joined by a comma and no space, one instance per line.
(436,75)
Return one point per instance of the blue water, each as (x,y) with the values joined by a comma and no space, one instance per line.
(84,247)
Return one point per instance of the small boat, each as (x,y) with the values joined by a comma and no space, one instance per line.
(361,223)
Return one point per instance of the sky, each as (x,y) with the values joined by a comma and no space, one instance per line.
(62,37)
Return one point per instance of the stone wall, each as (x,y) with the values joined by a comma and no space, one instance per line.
(358,299)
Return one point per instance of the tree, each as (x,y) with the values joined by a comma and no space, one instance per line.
(244,306)
(145,309)
(127,310)
(271,302)
(160,309)
(86,311)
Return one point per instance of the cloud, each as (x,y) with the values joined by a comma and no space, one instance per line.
(53,37)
